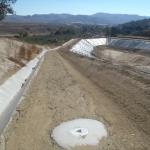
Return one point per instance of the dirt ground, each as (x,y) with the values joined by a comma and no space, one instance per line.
(14,55)
(69,87)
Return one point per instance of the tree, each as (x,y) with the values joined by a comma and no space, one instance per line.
(6,8)
(23,34)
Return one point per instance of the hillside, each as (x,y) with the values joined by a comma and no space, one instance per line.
(134,28)
(98,18)
(14,55)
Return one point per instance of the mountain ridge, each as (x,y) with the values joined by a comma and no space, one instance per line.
(97,18)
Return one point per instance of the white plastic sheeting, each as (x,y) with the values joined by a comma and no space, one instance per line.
(79,132)
(86,46)
(97,42)
(12,89)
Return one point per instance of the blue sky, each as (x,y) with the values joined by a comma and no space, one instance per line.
(29,7)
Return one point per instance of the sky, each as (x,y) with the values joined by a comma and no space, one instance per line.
(88,7)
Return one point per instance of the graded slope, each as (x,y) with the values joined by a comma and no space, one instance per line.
(61,92)
(14,55)
(12,89)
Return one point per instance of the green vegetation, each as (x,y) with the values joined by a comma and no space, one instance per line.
(58,34)
(5,8)
(134,28)
(62,33)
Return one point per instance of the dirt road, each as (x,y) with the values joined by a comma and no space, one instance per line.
(63,91)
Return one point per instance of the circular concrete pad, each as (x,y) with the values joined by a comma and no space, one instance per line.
(79,132)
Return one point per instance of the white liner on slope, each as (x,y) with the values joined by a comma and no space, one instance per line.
(79,132)
(12,89)
(86,46)
(83,48)
(97,42)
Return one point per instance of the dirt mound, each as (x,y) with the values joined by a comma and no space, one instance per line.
(116,56)
(14,55)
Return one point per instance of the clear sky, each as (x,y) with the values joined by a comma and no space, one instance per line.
(29,7)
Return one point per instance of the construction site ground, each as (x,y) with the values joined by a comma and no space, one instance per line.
(68,87)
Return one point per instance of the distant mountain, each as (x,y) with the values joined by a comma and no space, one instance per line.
(98,18)
(134,28)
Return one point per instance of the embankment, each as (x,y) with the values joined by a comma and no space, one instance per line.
(12,90)
(14,55)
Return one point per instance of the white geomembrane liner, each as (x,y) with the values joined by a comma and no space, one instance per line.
(86,46)
(79,132)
